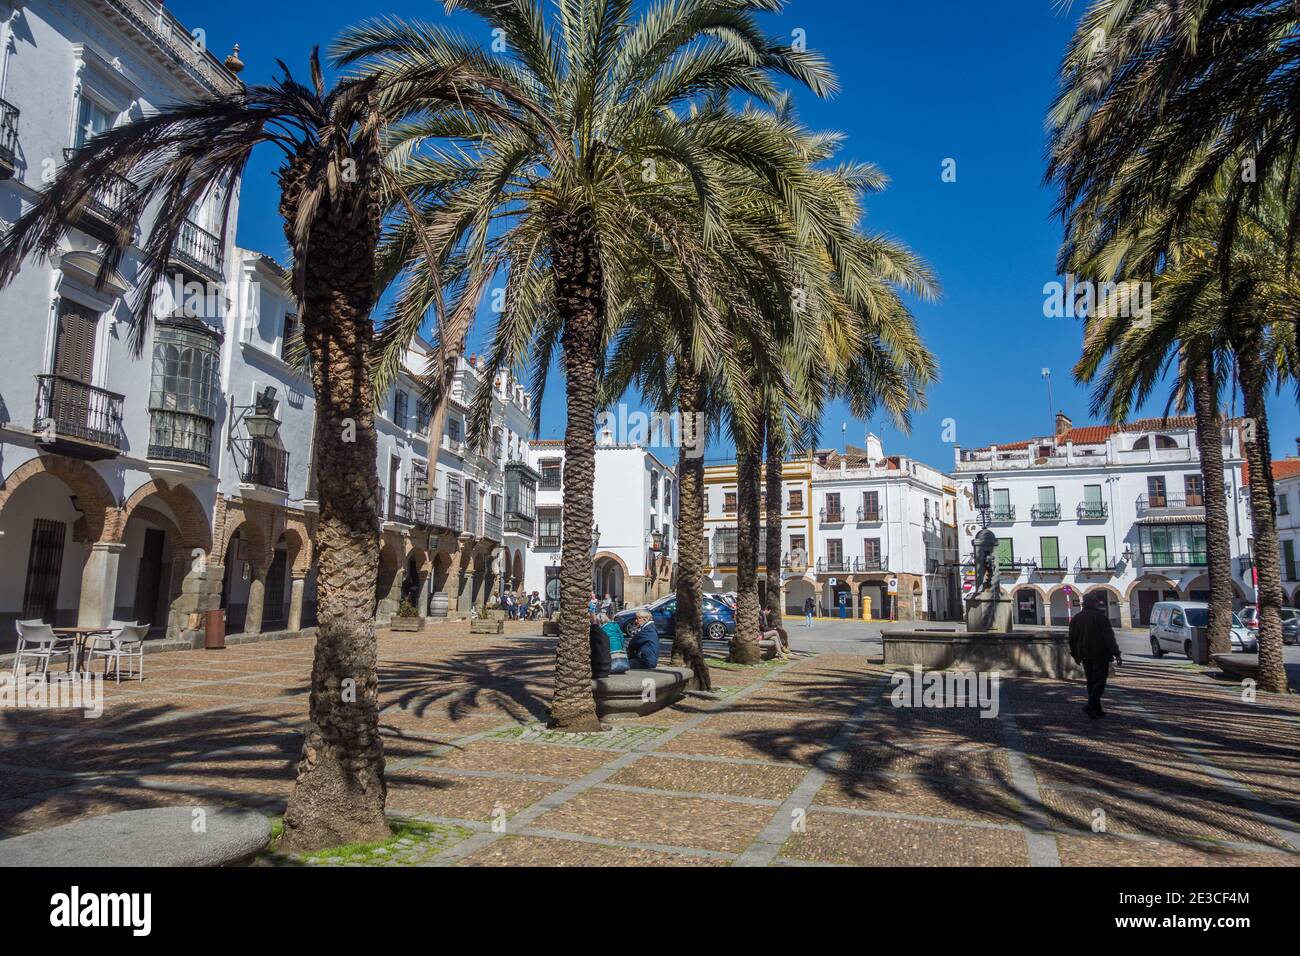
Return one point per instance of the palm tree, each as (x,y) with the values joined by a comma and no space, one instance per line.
(333,189)
(568,219)
(1200,315)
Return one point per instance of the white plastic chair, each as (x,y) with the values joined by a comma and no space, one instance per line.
(126,641)
(37,640)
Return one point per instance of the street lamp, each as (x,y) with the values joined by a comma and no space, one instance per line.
(259,418)
(980,492)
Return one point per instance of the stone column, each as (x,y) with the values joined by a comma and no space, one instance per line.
(296,590)
(426,581)
(462,572)
(256,600)
(99,584)
(200,593)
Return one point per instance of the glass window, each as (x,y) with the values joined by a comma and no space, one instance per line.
(1047,497)
(795,502)
(1049,552)
(1092,494)
(1097,552)
(1006,552)
(184,392)
(1001,500)
(92,119)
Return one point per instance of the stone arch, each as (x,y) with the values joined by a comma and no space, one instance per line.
(1114,600)
(600,555)
(100,520)
(1038,612)
(517,572)
(251,531)
(1148,581)
(193,528)
(300,551)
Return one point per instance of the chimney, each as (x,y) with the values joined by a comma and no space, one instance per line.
(875,450)
(1063,424)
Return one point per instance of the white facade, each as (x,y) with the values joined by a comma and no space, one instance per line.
(105,478)
(881,519)
(1114,509)
(1286,485)
(634,509)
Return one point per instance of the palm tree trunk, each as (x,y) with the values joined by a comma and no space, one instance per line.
(1268,560)
(772,479)
(688,627)
(744,645)
(338,796)
(1209,436)
(579,296)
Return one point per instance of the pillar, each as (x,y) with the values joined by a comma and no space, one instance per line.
(426,583)
(296,590)
(99,584)
(256,599)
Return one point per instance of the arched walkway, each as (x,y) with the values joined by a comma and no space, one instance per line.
(609,576)
(1145,592)
(1030,604)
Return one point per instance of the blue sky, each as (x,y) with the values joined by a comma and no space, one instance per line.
(921,83)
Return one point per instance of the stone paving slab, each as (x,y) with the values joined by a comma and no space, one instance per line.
(890,841)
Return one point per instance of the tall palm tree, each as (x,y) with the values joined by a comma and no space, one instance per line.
(334,187)
(568,219)
(1203,310)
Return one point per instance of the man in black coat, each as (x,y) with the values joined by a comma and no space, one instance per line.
(1092,644)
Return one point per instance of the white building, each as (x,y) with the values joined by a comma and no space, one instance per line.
(1286,479)
(1117,510)
(635,515)
(883,520)
(109,469)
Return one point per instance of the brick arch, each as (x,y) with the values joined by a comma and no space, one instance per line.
(259,549)
(301,548)
(613,557)
(1114,591)
(391,552)
(1148,580)
(193,529)
(100,518)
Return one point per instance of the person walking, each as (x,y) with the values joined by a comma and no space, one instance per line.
(1093,645)
(809,606)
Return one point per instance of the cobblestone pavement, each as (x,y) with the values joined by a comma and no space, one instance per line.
(805,763)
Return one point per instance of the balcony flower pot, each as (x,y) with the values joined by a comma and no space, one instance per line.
(407,618)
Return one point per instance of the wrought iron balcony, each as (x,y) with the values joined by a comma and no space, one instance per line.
(77,419)
(1173,558)
(1096,565)
(794,561)
(869,564)
(1061,565)
(400,508)
(832,515)
(1170,504)
(264,464)
(106,206)
(868,515)
(1092,510)
(725,557)
(1045,513)
(473,523)
(199,251)
(834,565)
(1002,513)
(179,436)
(548,540)
(492,527)
(8,139)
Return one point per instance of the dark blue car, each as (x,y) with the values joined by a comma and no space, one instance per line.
(719,619)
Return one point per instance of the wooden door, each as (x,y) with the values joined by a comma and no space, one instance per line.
(74,362)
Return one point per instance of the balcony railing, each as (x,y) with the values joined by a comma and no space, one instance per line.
(794,561)
(1059,566)
(725,557)
(1169,504)
(1045,512)
(8,139)
(519,524)
(264,464)
(67,408)
(1003,513)
(871,515)
(199,249)
(400,508)
(109,203)
(869,564)
(178,436)
(833,515)
(1172,558)
(833,565)
(492,527)
(548,540)
(473,522)
(1096,565)
(1092,510)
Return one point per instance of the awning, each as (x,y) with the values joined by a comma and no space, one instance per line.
(1171,519)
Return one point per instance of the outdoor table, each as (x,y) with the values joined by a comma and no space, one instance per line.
(81,635)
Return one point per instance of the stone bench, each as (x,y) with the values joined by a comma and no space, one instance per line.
(767,649)
(487,625)
(1239,664)
(159,836)
(623,693)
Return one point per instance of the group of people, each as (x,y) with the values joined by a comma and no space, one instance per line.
(616,652)
(522,606)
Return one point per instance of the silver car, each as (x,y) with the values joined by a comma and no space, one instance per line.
(1171,626)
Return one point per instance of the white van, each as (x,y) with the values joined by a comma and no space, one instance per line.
(1172,622)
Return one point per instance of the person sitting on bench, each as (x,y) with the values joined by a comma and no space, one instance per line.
(643,648)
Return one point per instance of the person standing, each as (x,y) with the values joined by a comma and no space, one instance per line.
(1093,645)
(809,606)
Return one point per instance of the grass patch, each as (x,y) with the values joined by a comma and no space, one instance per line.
(412,841)
(726,665)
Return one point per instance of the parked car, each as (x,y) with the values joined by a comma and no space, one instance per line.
(719,618)
(1249,617)
(1171,628)
(721,598)
(1290,625)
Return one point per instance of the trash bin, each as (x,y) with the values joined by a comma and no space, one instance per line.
(1200,645)
(214,630)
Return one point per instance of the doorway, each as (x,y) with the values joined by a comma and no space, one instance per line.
(148,581)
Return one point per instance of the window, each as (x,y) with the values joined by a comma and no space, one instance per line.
(798,547)
(871,553)
(1092,505)
(1000,498)
(548,527)
(423,413)
(44,564)
(834,552)
(794,500)
(1097,553)
(453,429)
(1156,491)
(871,506)
(1288,559)
(728,502)
(551,474)
(521,494)
(1049,554)
(1006,552)
(927,509)
(668,495)
(92,119)
(184,392)
(1283,505)
(400,400)
(1194,489)
(290,334)
(833,510)
(1154,441)
(498,443)
(654,488)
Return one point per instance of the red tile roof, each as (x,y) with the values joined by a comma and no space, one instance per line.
(1097,434)
(1286,468)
